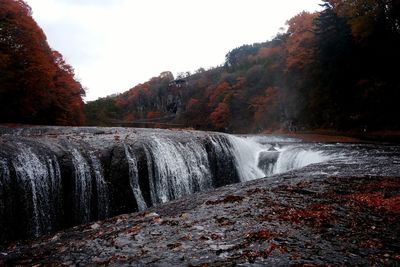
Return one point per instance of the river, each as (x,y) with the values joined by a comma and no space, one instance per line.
(57,177)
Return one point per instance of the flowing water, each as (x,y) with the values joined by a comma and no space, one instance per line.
(58,177)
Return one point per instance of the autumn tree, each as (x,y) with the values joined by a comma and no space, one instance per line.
(331,69)
(266,109)
(220,116)
(301,40)
(355,83)
(36,85)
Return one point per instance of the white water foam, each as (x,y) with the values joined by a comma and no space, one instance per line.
(40,178)
(83,186)
(247,153)
(101,187)
(179,169)
(293,157)
(176,166)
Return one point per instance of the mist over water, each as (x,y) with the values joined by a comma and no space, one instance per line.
(259,157)
(293,157)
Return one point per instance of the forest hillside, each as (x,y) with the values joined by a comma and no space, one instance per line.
(332,69)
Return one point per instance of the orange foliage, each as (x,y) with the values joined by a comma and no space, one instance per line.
(192,104)
(300,45)
(377,200)
(140,88)
(121,102)
(269,51)
(37,86)
(361,15)
(220,90)
(260,104)
(220,116)
(240,81)
(153,115)
(130,117)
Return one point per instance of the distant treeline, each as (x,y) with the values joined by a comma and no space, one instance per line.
(36,85)
(333,69)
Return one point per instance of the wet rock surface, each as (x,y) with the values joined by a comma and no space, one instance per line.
(340,211)
(59,177)
(298,218)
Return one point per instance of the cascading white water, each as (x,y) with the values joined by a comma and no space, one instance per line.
(293,157)
(4,174)
(176,169)
(41,180)
(84,169)
(101,187)
(4,183)
(134,178)
(249,151)
(246,151)
(150,168)
(83,186)
(178,164)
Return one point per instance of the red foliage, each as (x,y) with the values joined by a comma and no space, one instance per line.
(121,102)
(262,104)
(384,184)
(219,91)
(36,85)
(269,51)
(193,104)
(314,215)
(220,116)
(153,115)
(130,117)
(377,200)
(300,45)
(259,235)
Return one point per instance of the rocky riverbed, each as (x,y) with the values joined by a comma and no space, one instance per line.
(301,219)
(324,203)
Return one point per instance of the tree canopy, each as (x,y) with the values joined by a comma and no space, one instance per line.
(331,69)
(37,86)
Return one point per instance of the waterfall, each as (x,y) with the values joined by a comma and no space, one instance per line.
(4,205)
(82,187)
(246,152)
(175,169)
(90,188)
(293,157)
(102,194)
(134,178)
(39,178)
(259,157)
(78,177)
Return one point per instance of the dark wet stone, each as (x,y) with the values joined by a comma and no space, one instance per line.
(342,212)
(346,236)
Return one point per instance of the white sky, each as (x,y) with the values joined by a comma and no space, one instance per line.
(115,44)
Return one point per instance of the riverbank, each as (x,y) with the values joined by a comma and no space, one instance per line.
(277,221)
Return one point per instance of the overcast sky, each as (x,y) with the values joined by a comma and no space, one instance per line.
(116,44)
